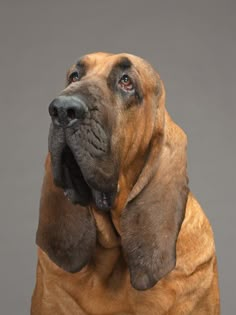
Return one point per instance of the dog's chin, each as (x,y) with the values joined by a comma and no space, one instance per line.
(76,188)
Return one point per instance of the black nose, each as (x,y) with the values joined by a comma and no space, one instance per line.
(66,110)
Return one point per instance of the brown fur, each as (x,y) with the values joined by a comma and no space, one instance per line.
(155,253)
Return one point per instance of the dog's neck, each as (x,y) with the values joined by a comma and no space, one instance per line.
(108,260)
(106,231)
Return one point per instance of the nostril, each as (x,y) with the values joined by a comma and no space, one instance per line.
(71,113)
(53,110)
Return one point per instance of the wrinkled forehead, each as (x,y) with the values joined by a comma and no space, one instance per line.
(103,63)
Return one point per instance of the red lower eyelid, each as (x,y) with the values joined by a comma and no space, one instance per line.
(126,83)
(126,86)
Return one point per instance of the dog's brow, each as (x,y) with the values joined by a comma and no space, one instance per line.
(124,63)
(80,64)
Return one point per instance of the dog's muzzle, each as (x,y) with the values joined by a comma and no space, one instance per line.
(80,152)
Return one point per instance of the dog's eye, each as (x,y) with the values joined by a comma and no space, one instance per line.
(126,83)
(74,76)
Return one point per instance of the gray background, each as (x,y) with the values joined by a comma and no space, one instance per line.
(193,46)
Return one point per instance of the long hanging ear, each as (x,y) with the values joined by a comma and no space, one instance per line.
(66,232)
(151,220)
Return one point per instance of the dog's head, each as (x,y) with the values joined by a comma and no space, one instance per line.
(114,149)
(102,125)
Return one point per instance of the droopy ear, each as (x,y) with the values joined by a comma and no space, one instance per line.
(151,221)
(66,232)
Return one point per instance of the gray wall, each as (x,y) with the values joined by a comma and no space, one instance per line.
(193,46)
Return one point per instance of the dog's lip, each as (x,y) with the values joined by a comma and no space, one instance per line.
(75,187)
(103,200)
(74,183)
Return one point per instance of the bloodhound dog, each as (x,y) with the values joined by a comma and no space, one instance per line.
(119,231)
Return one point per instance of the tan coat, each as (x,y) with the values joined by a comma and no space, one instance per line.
(154,252)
